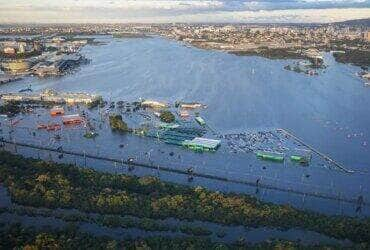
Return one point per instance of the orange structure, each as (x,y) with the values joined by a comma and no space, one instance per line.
(72,119)
(57,111)
(53,127)
(184,114)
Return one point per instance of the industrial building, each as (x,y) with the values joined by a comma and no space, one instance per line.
(72,119)
(56,111)
(164,125)
(153,104)
(57,64)
(16,66)
(202,144)
(184,114)
(9,50)
(190,105)
(200,120)
(50,95)
(11,47)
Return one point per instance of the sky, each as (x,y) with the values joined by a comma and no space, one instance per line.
(159,11)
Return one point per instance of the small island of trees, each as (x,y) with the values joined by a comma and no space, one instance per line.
(167,117)
(117,124)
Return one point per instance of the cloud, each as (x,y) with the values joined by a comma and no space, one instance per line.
(182,10)
(184,4)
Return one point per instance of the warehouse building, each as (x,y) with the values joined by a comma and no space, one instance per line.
(202,144)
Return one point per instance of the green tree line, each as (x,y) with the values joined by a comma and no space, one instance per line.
(42,184)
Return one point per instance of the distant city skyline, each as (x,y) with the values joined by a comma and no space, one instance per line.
(153,11)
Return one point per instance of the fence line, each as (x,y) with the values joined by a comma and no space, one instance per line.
(338,165)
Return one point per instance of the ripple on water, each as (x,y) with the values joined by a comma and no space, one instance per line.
(5,200)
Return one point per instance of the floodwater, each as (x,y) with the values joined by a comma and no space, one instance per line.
(329,111)
(242,93)
(5,200)
(232,233)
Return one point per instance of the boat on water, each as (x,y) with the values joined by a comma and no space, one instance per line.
(29,89)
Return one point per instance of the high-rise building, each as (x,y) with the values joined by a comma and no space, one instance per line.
(9,50)
(367,36)
(22,47)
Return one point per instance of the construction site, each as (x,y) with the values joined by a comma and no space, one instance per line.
(176,142)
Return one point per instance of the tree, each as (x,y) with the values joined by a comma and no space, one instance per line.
(118,124)
(10,109)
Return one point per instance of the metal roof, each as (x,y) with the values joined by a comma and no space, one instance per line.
(204,142)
